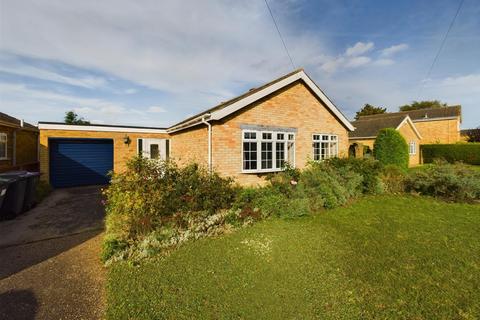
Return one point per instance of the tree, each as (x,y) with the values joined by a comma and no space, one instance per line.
(369,109)
(73,118)
(390,148)
(418,105)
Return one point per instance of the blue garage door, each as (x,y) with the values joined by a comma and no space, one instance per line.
(80,162)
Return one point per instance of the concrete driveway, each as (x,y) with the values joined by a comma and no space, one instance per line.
(49,259)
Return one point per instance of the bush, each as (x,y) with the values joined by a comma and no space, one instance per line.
(369,169)
(391,148)
(328,186)
(466,152)
(150,192)
(393,179)
(453,182)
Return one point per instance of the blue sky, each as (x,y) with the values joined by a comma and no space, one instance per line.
(154,63)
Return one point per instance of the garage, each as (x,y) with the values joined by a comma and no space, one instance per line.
(78,155)
(80,162)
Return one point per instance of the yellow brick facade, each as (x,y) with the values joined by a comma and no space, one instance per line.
(410,136)
(439,131)
(294,107)
(121,152)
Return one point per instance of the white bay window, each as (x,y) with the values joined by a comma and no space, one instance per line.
(267,151)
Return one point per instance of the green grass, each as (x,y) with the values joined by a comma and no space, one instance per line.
(424,166)
(382,257)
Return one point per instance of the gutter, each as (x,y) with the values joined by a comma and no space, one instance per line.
(209,125)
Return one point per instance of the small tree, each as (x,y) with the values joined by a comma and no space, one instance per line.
(369,109)
(418,105)
(390,148)
(73,118)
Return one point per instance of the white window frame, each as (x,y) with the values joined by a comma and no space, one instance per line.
(4,136)
(259,139)
(330,139)
(414,144)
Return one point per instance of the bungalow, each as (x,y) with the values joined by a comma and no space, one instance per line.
(367,128)
(425,126)
(18,144)
(289,120)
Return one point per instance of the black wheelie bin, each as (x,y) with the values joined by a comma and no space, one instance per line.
(30,192)
(15,195)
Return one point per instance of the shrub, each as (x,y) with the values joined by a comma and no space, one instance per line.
(453,182)
(465,152)
(393,179)
(368,169)
(325,185)
(391,148)
(150,192)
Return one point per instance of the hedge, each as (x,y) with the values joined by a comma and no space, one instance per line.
(390,148)
(464,152)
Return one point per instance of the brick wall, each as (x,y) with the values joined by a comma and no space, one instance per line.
(439,131)
(294,106)
(27,145)
(190,145)
(121,151)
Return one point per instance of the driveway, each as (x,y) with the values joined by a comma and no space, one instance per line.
(49,259)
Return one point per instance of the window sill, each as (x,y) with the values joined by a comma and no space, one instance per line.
(262,171)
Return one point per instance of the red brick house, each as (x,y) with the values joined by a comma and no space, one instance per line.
(18,144)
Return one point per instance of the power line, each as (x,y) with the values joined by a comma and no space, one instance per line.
(440,48)
(280,34)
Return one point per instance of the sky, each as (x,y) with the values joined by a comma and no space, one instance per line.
(154,63)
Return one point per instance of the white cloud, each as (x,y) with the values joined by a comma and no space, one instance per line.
(44,74)
(383,62)
(359,48)
(18,98)
(156,109)
(182,49)
(131,91)
(356,62)
(390,51)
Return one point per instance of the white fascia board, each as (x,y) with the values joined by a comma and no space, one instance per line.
(217,115)
(191,123)
(407,119)
(47,126)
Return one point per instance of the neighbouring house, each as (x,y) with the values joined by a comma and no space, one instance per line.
(18,144)
(425,126)
(289,120)
(367,128)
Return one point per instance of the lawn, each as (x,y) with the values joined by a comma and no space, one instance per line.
(381,257)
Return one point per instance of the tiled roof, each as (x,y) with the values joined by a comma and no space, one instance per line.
(14,121)
(423,114)
(369,126)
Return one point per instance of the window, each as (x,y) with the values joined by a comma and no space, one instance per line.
(267,151)
(412,148)
(324,146)
(3,145)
